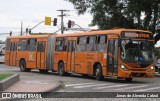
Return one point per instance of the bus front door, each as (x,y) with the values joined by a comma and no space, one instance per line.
(71,56)
(40,61)
(112,67)
(13,53)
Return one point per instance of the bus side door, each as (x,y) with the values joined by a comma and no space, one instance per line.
(112,60)
(71,56)
(13,54)
(40,61)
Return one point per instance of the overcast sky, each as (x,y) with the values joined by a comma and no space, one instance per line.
(31,12)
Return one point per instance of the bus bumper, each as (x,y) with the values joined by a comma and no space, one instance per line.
(133,74)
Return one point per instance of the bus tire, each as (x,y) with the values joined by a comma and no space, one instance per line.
(22,66)
(43,71)
(61,71)
(128,79)
(98,72)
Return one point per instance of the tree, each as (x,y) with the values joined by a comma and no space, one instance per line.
(139,14)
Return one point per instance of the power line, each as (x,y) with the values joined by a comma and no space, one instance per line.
(74,17)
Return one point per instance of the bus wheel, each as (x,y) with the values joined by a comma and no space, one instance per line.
(22,66)
(61,69)
(98,72)
(128,79)
(43,71)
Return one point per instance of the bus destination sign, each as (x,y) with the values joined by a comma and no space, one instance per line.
(136,35)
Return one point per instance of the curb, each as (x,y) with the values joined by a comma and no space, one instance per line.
(9,81)
(58,87)
(44,93)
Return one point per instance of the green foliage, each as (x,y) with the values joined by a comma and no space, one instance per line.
(139,14)
(3,76)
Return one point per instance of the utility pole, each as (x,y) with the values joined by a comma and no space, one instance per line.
(21,28)
(62,23)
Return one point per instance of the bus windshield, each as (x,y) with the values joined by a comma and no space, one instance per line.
(137,50)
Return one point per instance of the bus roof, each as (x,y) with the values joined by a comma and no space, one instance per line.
(29,36)
(111,31)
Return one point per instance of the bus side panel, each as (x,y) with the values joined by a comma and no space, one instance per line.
(31,60)
(23,55)
(102,57)
(80,63)
(60,56)
(7,58)
(91,59)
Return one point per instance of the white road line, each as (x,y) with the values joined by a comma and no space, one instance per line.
(77,84)
(112,86)
(131,87)
(85,86)
(147,89)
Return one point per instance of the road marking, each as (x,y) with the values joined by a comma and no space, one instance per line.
(132,87)
(112,86)
(77,84)
(147,89)
(85,86)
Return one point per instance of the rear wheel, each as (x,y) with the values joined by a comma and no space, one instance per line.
(61,69)
(98,72)
(22,66)
(128,79)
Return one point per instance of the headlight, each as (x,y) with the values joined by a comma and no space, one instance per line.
(151,69)
(124,68)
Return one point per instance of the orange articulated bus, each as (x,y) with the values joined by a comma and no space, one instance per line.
(121,53)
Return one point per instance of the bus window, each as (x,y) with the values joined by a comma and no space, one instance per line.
(102,40)
(31,44)
(41,47)
(81,44)
(110,46)
(14,47)
(91,43)
(22,45)
(61,44)
(8,45)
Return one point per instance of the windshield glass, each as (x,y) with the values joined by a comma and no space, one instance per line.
(137,50)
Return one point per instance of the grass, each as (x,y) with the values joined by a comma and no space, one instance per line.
(3,76)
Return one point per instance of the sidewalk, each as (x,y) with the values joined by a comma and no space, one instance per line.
(33,86)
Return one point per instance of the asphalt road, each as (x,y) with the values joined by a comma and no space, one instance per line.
(77,83)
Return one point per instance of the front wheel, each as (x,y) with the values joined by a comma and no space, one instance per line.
(98,72)
(22,66)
